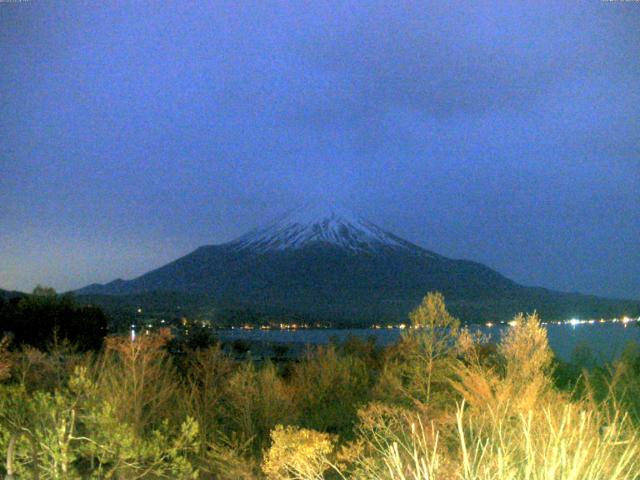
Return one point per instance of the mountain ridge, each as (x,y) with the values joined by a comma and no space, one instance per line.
(7,295)
(331,263)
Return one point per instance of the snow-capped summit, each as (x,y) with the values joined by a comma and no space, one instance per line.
(319,223)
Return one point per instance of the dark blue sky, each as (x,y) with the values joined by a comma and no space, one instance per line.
(133,132)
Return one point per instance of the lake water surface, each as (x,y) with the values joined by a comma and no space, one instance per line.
(605,340)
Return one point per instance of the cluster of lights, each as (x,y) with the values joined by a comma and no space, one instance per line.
(401,326)
(281,326)
(573,322)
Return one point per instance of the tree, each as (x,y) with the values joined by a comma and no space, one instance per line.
(432,314)
(437,330)
(40,318)
(44,292)
(421,353)
(138,379)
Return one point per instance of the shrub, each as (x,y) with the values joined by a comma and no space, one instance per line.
(229,459)
(256,399)
(616,387)
(139,380)
(207,372)
(5,359)
(551,442)
(329,388)
(391,443)
(520,379)
(298,454)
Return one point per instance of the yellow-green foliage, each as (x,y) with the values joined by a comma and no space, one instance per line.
(329,387)
(422,359)
(391,443)
(229,459)
(440,404)
(432,314)
(552,442)
(527,354)
(256,399)
(561,442)
(5,359)
(207,372)
(518,379)
(298,454)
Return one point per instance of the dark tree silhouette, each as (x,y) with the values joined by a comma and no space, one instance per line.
(39,318)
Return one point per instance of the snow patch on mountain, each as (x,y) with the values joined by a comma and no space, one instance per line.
(317,223)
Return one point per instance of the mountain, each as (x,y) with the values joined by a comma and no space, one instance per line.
(326,263)
(11,294)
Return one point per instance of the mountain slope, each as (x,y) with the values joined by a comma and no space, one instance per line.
(326,263)
(11,294)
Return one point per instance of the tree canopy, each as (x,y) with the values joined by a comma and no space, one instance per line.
(43,316)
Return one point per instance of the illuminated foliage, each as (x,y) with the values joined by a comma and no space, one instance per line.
(422,357)
(256,399)
(138,379)
(440,404)
(298,454)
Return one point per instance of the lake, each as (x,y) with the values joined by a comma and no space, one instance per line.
(605,340)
